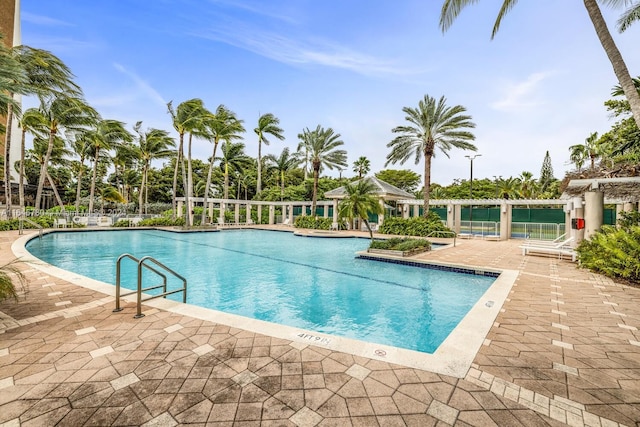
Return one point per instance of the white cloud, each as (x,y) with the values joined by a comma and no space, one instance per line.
(42,20)
(522,95)
(142,85)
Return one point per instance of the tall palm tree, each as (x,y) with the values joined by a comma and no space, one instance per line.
(34,122)
(223,125)
(432,125)
(507,188)
(527,186)
(321,145)
(452,8)
(106,135)
(233,158)
(69,113)
(152,144)
(359,202)
(187,117)
(37,72)
(81,145)
(267,125)
(283,164)
(577,155)
(362,166)
(44,152)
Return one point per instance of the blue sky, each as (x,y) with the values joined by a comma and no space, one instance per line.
(350,65)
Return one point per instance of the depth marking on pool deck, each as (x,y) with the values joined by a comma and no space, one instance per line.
(314,338)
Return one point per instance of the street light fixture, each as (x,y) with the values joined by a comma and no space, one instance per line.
(471,193)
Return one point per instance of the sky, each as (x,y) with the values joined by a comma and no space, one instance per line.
(538,86)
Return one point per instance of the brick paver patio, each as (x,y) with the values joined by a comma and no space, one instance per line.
(565,349)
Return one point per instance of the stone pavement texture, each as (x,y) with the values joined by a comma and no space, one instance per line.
(564,350)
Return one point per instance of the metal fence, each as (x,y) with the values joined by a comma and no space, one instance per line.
(538,231)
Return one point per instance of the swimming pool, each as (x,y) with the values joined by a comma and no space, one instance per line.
(313,284)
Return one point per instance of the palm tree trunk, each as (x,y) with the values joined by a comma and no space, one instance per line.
(259,180)
(93,180)
(189,184)
(316,173)
(21,183)
(427,181)
(618,64)
(226,181)
(79,186)
(184,189)
(43,169)
(207,185)
(281,185)
(175,176)
(7,160)
(55,192)
(366,222)
(142,189)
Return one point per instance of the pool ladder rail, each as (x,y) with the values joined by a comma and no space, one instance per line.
(142,263)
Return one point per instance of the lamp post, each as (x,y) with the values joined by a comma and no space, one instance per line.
(471,193)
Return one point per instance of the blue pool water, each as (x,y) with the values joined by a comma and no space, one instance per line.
(311,283)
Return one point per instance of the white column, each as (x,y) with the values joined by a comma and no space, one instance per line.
(291,214)
(450,216)
(576,212)
(326,211)
(593,212)
(248,213)
(271,214)
(416,211)
(221,216)
(505,221)
(457,213)
(405,211)
(237,213)
(259,213)
(179,208)
(381,216)
(210,210)
(335,210)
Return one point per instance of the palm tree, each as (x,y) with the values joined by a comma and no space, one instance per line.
(452,8)
(109,194)
(433,125)
(63,112)
(44,152)
(80,145)
(527,186)
(186,118)
(283,164)
(362,166)
(321,146)
(507,188)
(30,71)
(233,157)
(222,126)
(267,125)
(578,155)
(359,202)
(152,144)
(105,136)
(34,122)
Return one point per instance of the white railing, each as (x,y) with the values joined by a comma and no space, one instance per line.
(479,228)
(537,231)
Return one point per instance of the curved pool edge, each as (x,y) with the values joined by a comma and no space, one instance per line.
(453,357)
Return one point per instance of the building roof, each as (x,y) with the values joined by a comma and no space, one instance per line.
(383,190)
(616,190)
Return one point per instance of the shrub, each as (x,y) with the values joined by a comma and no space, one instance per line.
(417,226)
(122,223)
(8,275)
(14,224)
(613,252)
(161,222)
(400,244)
(313,222)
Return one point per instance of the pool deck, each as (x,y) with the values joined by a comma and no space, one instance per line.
(565,349)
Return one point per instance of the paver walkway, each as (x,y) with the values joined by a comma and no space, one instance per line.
(564,350)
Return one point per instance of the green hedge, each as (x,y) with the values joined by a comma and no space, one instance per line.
(417,226)
(313,222)
(14,224)
(400,244)
(163,221)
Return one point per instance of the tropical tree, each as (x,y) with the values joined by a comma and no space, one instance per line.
(223,125)
(44,152)
(359,202)
(362,166)
(152,144)
(283,164)
(507,188)
(69,113)
(81,146)
(578,155)
(546,173)
(267,125)
(432,125)
(527,186)
(30,71)
(452,8)
(233,158)
(186,118)
(106,135)
(321,146)
(34,122)
(629,17)
(404,179)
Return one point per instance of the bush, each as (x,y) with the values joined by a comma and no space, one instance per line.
(313,222)
(613,252)
(400,244)
(163,221)
(417,226)
(14,224)
(122,223)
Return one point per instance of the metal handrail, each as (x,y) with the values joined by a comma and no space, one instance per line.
(445,232)
(142,263)
(21,220)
